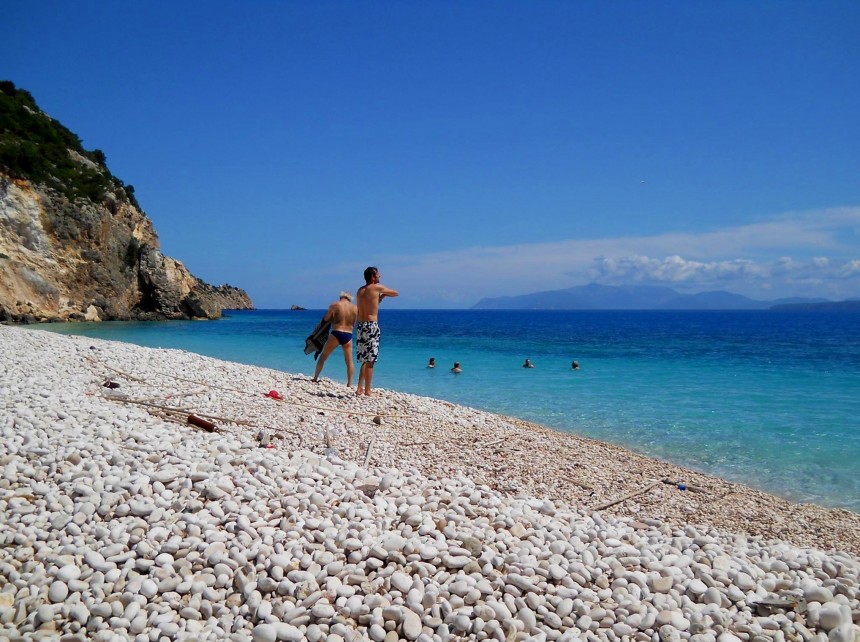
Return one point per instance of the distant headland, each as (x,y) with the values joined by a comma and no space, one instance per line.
(642,297)
(75,244)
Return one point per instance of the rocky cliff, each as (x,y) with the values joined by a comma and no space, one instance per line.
(74,245)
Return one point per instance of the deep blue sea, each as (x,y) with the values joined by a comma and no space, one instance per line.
(770,399)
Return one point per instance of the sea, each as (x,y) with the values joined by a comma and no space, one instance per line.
(770,399)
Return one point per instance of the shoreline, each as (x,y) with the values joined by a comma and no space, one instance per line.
(479,499)
(784,430)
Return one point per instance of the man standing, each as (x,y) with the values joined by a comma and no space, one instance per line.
(367,336)
(342,314)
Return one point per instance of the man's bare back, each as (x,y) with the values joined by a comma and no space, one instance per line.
(343,314)
(369,296)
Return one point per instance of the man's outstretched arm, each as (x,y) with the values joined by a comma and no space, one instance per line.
(384,292)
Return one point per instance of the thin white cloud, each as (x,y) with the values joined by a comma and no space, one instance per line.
(850,269)
(675,270)
(672,270)
(805,254)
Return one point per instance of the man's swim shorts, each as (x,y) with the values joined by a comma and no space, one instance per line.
(367,342)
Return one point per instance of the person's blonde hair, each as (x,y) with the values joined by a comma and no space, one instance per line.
(346,295)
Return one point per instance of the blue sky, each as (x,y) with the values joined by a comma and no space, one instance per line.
(470,149)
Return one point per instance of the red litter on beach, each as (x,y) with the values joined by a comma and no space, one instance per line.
(274,394)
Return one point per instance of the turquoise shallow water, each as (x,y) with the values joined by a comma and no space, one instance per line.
(769,399)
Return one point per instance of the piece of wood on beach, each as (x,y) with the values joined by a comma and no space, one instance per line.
(208,426)
(125,375)
(683,486)
(226,420)
(148,404)
(329,450)
(492,443)
(170,417)
(369,451)
(162,398)
(769,606)
(627,496)
(178,396)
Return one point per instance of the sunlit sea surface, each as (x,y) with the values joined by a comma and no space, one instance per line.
(770,399)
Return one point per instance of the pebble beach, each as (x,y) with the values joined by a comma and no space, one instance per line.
(151,494)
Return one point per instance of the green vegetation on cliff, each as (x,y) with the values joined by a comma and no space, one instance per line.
(36,147)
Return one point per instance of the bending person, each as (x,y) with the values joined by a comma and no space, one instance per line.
(342,314)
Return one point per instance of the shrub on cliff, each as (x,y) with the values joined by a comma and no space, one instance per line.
(36,147)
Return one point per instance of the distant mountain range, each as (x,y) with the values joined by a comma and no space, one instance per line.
(644,297)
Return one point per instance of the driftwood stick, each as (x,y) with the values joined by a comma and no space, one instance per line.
(227,420)
(693,489)
(148,404)
(180,395)
(168,416)
(119,372)
(181,417)
(184,411)
(627,496)
(151,399)
(368,451)
(329,451)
